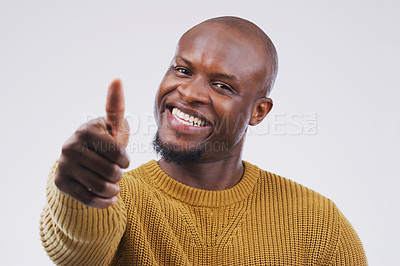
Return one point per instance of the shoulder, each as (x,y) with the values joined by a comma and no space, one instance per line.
(316,218)
(285,190)
(306,211)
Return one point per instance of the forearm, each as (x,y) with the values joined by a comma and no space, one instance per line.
(74,234)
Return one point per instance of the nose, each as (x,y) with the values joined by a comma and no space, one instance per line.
(194,91)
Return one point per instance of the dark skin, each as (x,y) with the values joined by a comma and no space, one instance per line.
(92,158)
(216,75)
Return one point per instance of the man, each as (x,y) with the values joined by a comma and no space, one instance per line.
(200,204)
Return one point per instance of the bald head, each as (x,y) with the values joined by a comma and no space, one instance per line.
(258,37)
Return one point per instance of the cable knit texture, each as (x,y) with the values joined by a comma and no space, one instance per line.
(264,220)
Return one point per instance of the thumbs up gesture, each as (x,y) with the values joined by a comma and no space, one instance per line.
(115,108)
(92,159)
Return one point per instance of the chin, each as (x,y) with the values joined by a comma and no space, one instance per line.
(177,153)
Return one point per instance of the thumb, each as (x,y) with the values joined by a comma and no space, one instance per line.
(115,106)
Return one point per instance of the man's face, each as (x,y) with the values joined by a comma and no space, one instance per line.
(205,99)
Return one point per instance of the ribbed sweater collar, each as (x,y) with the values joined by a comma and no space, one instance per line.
(200,197)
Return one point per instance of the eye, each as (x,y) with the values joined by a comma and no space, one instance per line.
(223,86)
(183,71)
(223,89)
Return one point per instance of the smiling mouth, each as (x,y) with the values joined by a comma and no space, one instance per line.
(187,119)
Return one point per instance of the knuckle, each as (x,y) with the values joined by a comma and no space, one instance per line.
(116,173)
(83,132)
(61,164)
(62,184)
(117,188)
(59,182)
(68,146)
(112,189)
(108,171)
(120,153)
(71,146)
(116,148)
(107,189)
(67,164)
(100,188)
(63,168)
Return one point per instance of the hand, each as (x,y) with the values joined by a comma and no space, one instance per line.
(90,164)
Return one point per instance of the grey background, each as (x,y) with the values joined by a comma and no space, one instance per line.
(339,63)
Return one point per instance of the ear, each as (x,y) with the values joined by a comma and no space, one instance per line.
(260,110)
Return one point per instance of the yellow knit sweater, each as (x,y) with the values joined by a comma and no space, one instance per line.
(263,220)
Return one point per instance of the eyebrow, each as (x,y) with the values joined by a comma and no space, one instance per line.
(185,60)
(223,75)
(218,74)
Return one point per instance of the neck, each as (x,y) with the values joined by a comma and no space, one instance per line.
(208,175)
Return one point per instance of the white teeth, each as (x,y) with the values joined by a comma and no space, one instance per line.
(187,119)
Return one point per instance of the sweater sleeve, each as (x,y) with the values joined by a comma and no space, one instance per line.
(74,234)
(349,249)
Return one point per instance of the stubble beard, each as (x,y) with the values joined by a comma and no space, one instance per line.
(175,154)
